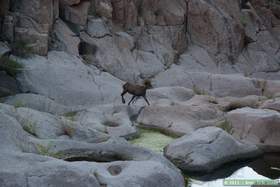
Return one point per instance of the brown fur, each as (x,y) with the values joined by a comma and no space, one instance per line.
(135,90)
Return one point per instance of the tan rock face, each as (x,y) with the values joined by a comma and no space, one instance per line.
(163,12)
(76,14)
(31,22)
(102,8)
(216,27)
(129,13)
(64,39)
(124,12)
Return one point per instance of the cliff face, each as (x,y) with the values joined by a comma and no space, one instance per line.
(137,39)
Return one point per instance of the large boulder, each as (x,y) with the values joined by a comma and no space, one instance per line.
(258,126)
(114,120)
(68,81)
(206,149)
(180,118)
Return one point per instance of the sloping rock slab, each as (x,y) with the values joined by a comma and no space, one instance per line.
(68,81)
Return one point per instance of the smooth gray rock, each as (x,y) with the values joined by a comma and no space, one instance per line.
(206,149)
(114,120)
(47,126)
(208,83)
(97,28)
(122,62)
(175,93)
(68,81)
(39,102)
(180,118)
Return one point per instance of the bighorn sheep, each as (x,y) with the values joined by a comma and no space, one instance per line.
(136,90)
(244,5)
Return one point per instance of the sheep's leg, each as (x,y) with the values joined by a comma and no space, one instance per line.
(136,98)
(146,99)
(123,93)
(131,99)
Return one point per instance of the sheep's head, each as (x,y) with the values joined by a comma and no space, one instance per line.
(147,83)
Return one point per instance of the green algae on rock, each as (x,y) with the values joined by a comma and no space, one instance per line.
(152,140)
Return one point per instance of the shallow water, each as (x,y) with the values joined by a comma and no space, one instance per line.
(266,166)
